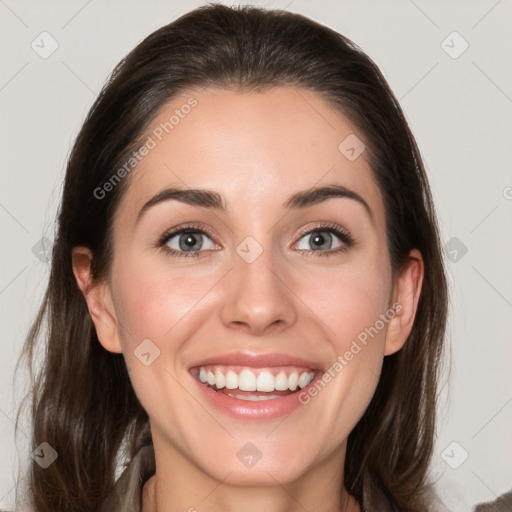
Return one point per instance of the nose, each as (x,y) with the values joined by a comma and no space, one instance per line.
(257,298)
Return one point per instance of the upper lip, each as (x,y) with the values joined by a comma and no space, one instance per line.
(257,360)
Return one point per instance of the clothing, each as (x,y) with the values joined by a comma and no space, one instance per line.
(502,504)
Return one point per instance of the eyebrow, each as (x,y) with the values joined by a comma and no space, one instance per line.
(211,199)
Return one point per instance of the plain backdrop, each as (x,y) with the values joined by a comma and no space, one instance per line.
(458,102)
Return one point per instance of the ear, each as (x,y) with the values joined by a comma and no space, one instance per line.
(98,298)
(406,294)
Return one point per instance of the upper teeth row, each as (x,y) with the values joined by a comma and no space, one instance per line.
(247,381)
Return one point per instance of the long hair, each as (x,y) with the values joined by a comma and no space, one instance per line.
(82,400)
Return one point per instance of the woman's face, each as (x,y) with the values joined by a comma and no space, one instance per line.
(283,274)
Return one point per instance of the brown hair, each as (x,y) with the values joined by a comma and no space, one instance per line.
(83,403)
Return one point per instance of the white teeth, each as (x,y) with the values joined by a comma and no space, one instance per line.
(293,381)
(231,380)
(281,381)
(265,382)
(304,379)
(247,380)
(220,380)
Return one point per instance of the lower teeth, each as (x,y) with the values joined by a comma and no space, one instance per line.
(253,398)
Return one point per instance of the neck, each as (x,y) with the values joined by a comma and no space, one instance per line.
(180,485)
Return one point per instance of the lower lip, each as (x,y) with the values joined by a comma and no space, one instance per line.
(257,410)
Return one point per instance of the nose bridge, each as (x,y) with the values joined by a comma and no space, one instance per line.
(257,298)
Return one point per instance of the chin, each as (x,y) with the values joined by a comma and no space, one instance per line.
(248,468)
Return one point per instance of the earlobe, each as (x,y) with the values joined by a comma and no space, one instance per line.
(406,296)
(98,298)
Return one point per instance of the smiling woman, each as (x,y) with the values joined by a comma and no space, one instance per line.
(252,316)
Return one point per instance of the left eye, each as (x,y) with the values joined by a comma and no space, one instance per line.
(319,240)
(190,241)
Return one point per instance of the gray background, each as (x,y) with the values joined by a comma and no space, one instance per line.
(459,110)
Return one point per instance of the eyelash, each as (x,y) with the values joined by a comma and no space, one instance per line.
(344,235)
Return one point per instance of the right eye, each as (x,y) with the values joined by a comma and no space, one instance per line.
(187,242)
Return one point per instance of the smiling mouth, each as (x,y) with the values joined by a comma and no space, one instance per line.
(254,384)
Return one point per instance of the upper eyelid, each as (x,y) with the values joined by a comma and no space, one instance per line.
(171,233)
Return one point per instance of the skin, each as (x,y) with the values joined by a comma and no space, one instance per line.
(256,149)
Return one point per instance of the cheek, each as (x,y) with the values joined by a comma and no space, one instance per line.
(349,301)
(154,302)
(351,304)
(164,305)
(152,299)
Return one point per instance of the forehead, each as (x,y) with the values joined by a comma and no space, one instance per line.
(259,146)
